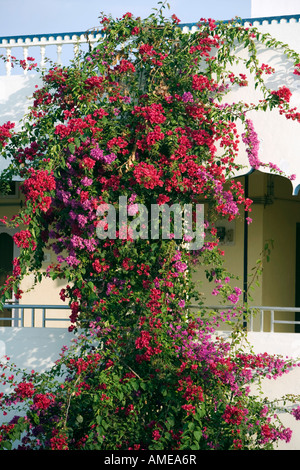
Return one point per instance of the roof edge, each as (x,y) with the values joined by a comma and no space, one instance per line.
(95,31)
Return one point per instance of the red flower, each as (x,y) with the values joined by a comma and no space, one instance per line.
(284,94)
(201,82)
(147,175)
(25,389)
(43,401)
(5,132)
(175,19)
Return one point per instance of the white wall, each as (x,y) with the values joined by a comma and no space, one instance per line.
(263,8)
(15,94)
(287,345)
(33,348)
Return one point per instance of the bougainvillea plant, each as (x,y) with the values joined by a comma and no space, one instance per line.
(140,118)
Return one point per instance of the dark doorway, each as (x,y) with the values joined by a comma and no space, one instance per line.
(297,287)
(6,266)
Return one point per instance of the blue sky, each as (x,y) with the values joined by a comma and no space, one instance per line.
(21,17)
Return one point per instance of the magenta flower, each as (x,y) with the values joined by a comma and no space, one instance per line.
(250,138)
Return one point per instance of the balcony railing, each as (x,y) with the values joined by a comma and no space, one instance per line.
(262,318)
(17,315)
(53,46)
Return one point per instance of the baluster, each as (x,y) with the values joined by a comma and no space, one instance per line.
(261,321)
(58,50)
(76,49)
(8,63)
(25,55)
(43,53)
(272,321)
(251,321)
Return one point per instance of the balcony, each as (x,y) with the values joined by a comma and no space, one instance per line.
(263,319)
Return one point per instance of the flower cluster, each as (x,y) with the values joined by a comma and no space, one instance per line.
(36,188)
(283,94)
(250,138)
(5,132)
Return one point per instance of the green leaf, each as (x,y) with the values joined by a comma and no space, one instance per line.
(71,147)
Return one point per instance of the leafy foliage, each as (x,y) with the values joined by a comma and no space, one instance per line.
(140,116)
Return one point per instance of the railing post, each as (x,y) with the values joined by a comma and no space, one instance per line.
(261,320)
(59,50)
(272,321)
(8,62)
(42,52)
(25,55)
(251,321)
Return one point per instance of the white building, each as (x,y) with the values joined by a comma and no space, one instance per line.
(276,210)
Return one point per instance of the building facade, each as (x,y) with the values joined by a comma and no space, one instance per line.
(276,199)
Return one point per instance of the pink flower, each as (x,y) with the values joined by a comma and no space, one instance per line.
(133,209)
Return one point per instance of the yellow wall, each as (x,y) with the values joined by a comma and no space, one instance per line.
(273,218)
(46,293)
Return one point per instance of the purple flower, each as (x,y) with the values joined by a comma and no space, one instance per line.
(177,256)
(251,140)
(233,298)
(132,197)
(97,153)
(63,196)
(72,215)
(181,303)
(180,266)
(296,413)
(70,260)
(86,181)
(109,158)
(187,96)
(82,220)
(90,244)
(77,242)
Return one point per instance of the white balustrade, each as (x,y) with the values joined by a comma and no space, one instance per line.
(42,47)
(41,43)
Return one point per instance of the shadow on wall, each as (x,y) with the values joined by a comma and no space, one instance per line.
(15,94)
(33,348)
